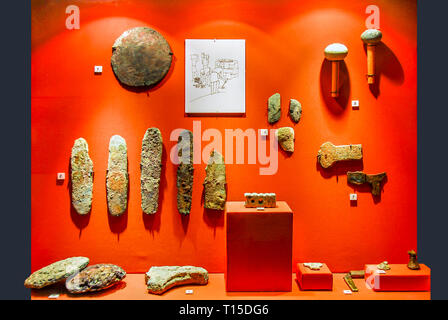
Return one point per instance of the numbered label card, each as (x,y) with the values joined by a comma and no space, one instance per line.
(215,76)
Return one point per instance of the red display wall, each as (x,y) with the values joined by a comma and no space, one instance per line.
(285,40)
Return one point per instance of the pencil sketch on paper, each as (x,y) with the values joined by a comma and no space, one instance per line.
(215,76)
(213,80)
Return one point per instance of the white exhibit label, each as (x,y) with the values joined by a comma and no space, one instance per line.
(61,176)
(188,291)
(98,69)
(215,76)
(353,196)
(347,291)
(355,104)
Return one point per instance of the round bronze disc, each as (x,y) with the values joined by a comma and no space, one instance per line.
(141,57)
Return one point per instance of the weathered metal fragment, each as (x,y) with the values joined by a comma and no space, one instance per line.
(81,174)
(330,154)
(383,266)
(374,180)
(274,108)
(141,57)
(55,272)
(185,172)
(413,263)
(151,168)
(215,194)
(313,265)
(351,284)
(117,176)
(95,278)
(285,137)
(161,279)
(295,110)
(260,200)
(357,274)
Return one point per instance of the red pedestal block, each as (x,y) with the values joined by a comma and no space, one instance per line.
(259,248)
(398,278)
(314,279)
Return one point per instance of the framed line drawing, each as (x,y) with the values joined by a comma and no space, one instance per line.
(215,76)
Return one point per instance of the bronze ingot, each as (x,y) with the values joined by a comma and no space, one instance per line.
(374,180)
(141,57)
(351,284)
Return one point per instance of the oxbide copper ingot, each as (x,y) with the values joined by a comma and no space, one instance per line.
(141,57)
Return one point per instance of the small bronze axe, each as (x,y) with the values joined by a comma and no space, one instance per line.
(374,180)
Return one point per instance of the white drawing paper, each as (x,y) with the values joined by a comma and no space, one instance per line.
(215,76)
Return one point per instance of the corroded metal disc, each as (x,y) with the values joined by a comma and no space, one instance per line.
(141,57)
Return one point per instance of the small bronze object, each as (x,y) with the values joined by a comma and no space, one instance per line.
(413,263)
(373,179)
(357,274)
(383,266)
(351,284)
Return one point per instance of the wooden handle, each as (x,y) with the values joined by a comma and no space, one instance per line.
(370,64)
(335,79)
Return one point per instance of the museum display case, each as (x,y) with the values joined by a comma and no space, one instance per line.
(189,150)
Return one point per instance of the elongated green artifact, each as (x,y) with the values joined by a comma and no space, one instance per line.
(81,175)
(185,172)
(215,182)
(151,168)
(117,176)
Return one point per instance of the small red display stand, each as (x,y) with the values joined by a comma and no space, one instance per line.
(314,279)
(259,248)
(398,278)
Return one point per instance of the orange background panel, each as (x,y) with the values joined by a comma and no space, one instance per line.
(284,53)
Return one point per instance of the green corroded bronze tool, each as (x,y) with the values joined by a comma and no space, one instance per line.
(374,180)
(349,281)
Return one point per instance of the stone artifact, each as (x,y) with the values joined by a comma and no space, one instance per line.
(371,37)
(55,272)
(285,137)
(215,182)
(117,176)
(151,168)
(295,110)
(351,284)
(141,57)
(81,168)
(374,180)
(313,265)
(95,278)
(413,263)
(383,266)
(355,274)
(330,154)
(185,172)
(161,279)
(335,53)
(260,200)
(274,108)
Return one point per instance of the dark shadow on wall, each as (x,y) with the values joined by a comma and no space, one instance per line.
(80,221)
(336,106)
(154,87)
(387,64)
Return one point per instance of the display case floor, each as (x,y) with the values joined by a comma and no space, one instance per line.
(133,288)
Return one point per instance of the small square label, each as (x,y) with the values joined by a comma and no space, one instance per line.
(260,208)
(380,271)
(353,197)
(61,176)
(347,291)
(264,132)
(188,291)
(355,104)
(98,69)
